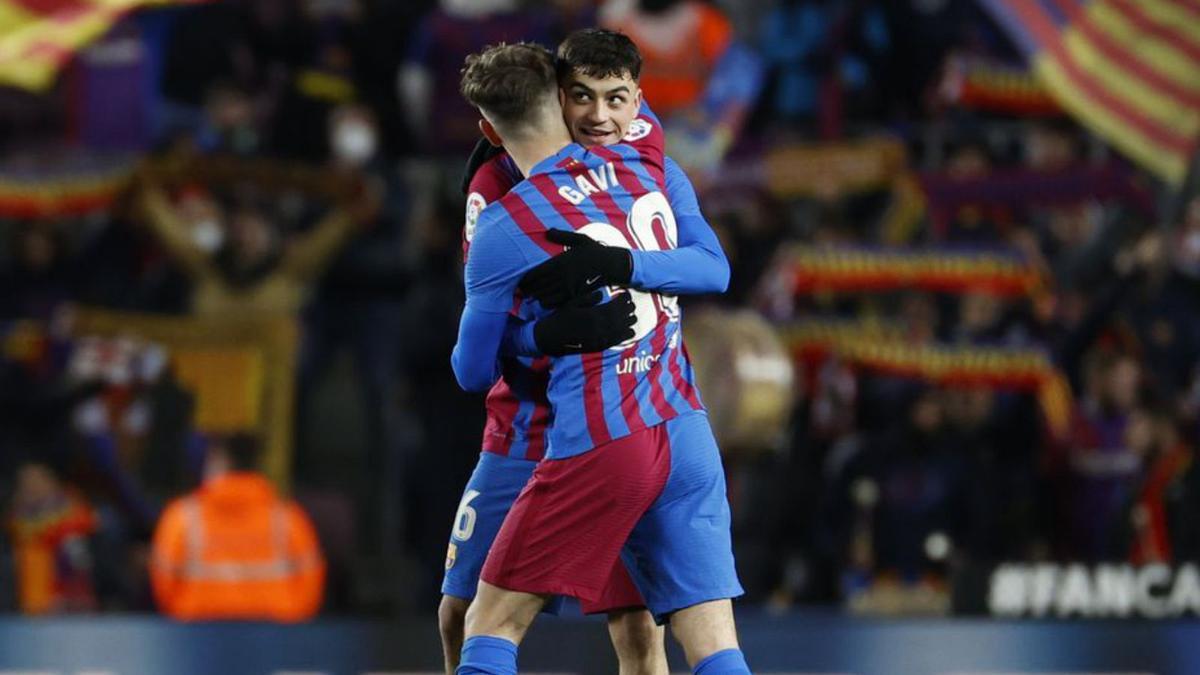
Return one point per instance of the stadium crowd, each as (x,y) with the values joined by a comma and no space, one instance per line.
(302,162)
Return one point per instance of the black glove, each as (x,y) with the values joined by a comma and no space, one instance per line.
(584,267)
(483,151)
(584,326)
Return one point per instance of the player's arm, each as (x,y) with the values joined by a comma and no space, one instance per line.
(584,325)
(493,267)
(698,264)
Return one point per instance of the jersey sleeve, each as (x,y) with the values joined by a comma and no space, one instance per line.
(645,135)
(496,263)
(697,264)
(518,338)
(493,270)
(490,182)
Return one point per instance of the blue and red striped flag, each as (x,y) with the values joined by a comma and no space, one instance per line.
(1127,69)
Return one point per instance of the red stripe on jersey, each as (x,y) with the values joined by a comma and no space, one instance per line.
(658,398)
(593,399)
(628,179)
(688,390)
(528,223)
(627,381)
(502,404)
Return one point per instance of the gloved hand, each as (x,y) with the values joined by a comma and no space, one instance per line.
(584,267)
(483,151)
(585,326)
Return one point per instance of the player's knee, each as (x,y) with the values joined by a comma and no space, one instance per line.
(638,642)
(501,613)
(452,617)
(705,629)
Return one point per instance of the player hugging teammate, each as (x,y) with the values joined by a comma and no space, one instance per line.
(597,458)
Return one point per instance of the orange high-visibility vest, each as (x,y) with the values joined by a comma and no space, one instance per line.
(235,550)
(676,68)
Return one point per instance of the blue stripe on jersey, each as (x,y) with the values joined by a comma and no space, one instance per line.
(521,420)
(610,384)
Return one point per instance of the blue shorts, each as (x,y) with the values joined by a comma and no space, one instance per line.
(487,499)
(680,552)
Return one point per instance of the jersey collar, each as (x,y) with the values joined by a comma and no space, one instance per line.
(558,159)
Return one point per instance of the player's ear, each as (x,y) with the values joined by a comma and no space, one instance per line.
(489,132)
(637,99)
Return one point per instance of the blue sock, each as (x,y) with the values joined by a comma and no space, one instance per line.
(487,655)
(726,662)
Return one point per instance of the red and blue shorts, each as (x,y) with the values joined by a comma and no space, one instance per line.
(487,498)
(654,500)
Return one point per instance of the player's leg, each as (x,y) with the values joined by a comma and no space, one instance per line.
(502,613)
(681,555)
(452,618)
(562,537)
(707,630)
(638,641)
(486,500)
(636,638)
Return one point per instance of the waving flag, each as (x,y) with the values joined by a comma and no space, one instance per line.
(1127,69)
(37,37)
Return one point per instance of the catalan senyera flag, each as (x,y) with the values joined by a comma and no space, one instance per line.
(38,36)
(1127,69)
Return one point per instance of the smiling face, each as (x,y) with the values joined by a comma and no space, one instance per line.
(599,110)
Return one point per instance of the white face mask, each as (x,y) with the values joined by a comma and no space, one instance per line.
(1187,257)
(208,235)
(354,143)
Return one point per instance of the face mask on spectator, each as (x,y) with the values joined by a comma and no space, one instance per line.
(477,8)
(353,142)
(208,235)
(1187,259)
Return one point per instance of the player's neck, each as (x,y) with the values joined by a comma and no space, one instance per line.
(529,153)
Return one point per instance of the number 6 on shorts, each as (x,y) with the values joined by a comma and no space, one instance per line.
(464,519)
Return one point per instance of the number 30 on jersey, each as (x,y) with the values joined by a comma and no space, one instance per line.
(647,210)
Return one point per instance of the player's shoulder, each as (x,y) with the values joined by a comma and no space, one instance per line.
(491,182)
(494,178)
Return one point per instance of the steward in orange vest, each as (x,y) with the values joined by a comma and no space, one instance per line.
(234,549)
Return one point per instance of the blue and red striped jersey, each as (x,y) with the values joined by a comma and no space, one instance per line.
(615,195)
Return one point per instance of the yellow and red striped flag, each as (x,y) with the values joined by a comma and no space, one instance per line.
(37,37)
(1127,69)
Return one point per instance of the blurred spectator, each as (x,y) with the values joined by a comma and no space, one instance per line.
(242,266)
(50,525)
(681,42)
(903,503)
(38,279)
(817,50)
(359,306)
(441,121)
(1159,507)
(1096,469)
(234,549)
